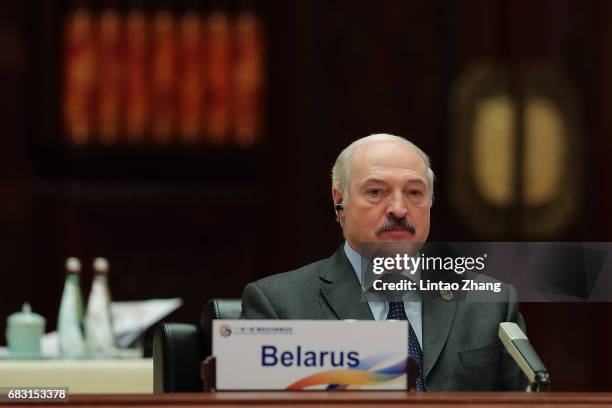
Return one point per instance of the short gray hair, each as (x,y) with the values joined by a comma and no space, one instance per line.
(341,172)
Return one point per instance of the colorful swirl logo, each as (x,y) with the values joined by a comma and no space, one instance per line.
(360,375)
(225,330)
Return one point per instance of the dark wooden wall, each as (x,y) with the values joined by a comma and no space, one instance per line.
(205,224)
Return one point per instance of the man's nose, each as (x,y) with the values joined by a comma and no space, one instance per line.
(397,207)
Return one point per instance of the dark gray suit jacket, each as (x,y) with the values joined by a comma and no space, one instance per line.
(461,349)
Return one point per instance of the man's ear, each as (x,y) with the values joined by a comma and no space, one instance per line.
(336,195)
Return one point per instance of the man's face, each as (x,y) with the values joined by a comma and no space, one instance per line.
(389,199)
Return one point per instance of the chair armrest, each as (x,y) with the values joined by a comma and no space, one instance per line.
(177,354)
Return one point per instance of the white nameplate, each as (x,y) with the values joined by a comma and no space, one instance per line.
(310,354)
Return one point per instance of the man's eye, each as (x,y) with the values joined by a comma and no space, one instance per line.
(416,193)
(374,191)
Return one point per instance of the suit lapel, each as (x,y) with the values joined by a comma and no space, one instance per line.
(438,316)
(341,291)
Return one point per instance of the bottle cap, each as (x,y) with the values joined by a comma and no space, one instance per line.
(73,265)
(100,266)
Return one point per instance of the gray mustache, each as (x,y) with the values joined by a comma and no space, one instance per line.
(393,223)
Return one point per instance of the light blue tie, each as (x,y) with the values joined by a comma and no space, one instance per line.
(397,312)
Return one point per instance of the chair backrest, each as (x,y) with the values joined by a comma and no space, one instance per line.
(218,309)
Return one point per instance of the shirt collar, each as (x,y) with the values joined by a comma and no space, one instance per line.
(354,258)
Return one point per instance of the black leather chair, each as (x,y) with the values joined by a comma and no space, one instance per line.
(179,349)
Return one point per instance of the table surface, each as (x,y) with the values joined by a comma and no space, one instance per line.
(343,398)
(82,376)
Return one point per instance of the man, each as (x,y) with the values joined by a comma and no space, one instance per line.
(382,190)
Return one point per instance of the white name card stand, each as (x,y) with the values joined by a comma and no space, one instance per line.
(208,367)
